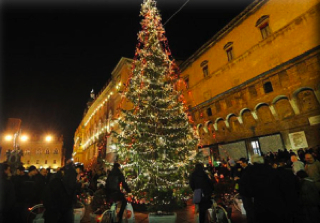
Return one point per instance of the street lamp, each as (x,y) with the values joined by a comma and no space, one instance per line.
(16,138)
(8,137)
(24,138)
(48,138)
(14,156)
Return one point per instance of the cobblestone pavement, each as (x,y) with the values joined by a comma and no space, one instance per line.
(186,215)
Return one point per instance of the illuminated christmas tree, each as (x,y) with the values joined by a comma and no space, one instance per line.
(156,137)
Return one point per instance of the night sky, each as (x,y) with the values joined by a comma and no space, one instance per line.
(54,53)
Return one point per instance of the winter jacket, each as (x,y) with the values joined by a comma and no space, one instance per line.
(115,178)
(7,199)
(313,171)
(60,192)
(308,195)
(199,179)
(263,183)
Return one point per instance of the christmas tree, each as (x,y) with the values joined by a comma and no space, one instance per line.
(156,137)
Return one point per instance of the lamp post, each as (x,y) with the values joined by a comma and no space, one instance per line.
(14,156)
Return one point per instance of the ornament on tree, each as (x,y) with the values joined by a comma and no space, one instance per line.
(161,141)
(162,128)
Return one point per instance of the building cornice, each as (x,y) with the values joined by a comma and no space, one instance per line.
(273,70)
(106,91)
(123,61)
(254,6)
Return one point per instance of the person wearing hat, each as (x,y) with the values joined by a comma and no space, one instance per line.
(115,178)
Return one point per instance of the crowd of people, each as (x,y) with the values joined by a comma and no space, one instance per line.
(23,189)
(58,192)
(281,186)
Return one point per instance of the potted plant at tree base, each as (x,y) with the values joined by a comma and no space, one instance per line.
(162,204)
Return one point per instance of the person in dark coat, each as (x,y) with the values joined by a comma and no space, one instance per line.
(7,194)
(27,193)
(115,178)
(199,179)
(29,187)
(40,180)
(99,173)
(289,186)
(247,200)
(261,182)
(53,197)
(60,196)
(49,175)
(309,199)
(19,190)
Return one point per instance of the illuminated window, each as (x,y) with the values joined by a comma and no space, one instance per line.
(256,147)
(263,25)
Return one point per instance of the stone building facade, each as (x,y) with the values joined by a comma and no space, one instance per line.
(255,86)
(36,149)
(93,138)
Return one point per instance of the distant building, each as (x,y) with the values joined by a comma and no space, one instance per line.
(255,85)
(40,150)
(93,138)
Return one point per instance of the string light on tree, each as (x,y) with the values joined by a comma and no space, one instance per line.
(156,137)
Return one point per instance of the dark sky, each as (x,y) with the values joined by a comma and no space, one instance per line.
(54,52)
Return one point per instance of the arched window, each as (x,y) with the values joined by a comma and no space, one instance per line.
(263,25)
(47,151)
(229,50)
(205,69)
